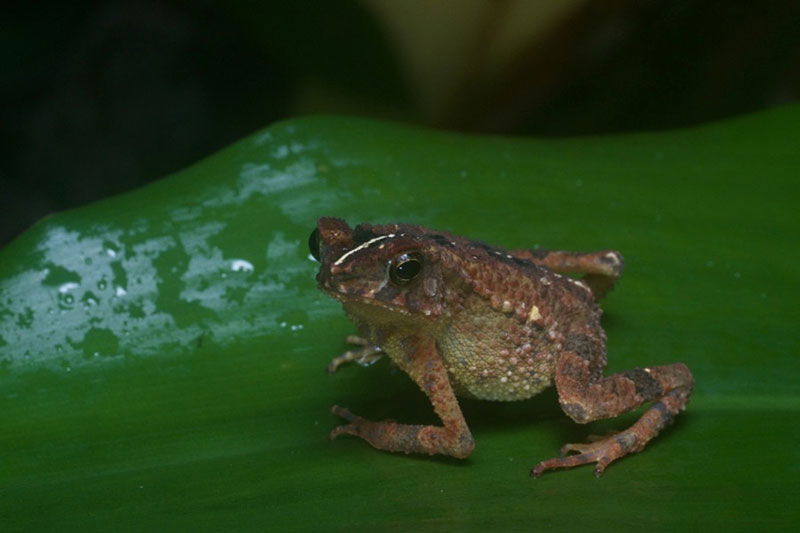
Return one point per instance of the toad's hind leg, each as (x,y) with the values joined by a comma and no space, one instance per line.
(585,396)
(601,269)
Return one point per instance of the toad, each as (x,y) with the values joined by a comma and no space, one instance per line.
(466,319)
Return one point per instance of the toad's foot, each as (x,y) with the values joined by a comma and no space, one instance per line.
(347,429)
(603,452)
(392,436)
(379,434)
(365,356)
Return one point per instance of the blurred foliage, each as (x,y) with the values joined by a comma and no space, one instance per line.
(162,353)
(100,96)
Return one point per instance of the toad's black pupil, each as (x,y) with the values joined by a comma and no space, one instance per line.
(313,244)
(408,269)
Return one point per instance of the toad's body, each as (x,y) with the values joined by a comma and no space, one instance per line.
(463,318)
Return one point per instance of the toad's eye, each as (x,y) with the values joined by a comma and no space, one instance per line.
(405,268)
(313,244)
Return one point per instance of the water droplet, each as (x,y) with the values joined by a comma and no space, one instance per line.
(66,287)
(87,260)
(66,300)
(89,299)
(240,265)
(111,248)
(102,284)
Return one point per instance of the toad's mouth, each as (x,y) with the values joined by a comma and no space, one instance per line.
(366,297)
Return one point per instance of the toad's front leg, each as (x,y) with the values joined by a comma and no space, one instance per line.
(422,362)
(365,356)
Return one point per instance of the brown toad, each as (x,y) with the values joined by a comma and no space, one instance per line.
(466,319)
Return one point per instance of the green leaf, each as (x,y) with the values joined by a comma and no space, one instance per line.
(162,353)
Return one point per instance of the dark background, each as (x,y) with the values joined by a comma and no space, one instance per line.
(99,97)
